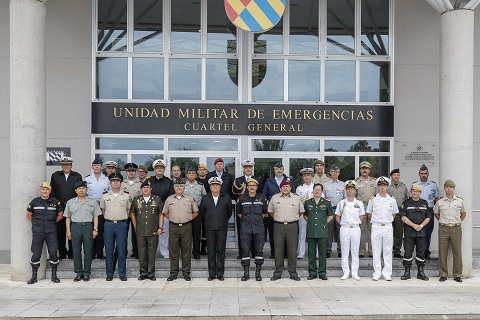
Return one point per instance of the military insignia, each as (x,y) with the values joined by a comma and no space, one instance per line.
(255,15)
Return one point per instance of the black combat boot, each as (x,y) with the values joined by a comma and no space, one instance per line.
(258,269)
(406,275)
(246,274)
(54,273)
(33,279)
(421,274)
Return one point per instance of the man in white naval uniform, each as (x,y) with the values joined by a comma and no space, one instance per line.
(381,211)
(350,213)
(305,192)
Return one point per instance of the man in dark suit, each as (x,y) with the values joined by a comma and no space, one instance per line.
(219,172)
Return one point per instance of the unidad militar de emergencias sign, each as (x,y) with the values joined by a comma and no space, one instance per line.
(242,119)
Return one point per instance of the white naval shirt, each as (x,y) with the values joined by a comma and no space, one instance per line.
(350,212)
(382,209)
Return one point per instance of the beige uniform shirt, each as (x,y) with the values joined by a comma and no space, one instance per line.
(133,189)
(366,189)
(399,192)
(116,206)
(82,211)
(180,210)
(324,179)
(286,208)
(449,210)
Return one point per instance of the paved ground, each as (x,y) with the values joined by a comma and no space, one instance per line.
(363,299)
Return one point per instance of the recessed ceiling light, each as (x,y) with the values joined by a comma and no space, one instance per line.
(217,141)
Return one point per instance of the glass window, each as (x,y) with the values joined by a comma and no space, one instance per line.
(286,145)
(340,81)
(380,165)
(120,159)
(112,78)
(341,27)
(222,34)
(375,20)
(357,146)
(304,27)
(184,164)
(148,28)
(185,79)
(204,144)
(270,41)
(112,25)
(228,161)
(129,143)
(346,164)
(186,32)
(264,168)
(303,80)
(222,79)
(374,81)
(297,164)
(147,82)
(267,80)
(146,160)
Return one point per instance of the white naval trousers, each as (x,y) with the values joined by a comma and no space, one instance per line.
(302,236)
(382,241)
(350,241)
(163,239)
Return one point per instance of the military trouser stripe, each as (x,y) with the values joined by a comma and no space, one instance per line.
(247,258)
(421,260)
(31,262)
(411,259)
(54,262)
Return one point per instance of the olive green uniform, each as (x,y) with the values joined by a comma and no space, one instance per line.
(316,179)
(399,192)
(366,190)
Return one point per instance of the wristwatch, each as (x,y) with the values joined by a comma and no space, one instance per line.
(95,230)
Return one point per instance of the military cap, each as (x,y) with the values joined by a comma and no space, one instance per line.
(131,166)
(178,181)
(202,166)
(248,162)
(111,164)
(217,160)
(423,167)
(145,183)
(306,171)
(351,183)
(416,187)
(142,167)
(319,161)
(252,180)
(115,176)
(97,161)
(334,167)
(449,183)
(382,180)
(66,160)
(394,171)
(46,185)
(159,163)
(365,164)
(191,169)
(278,165)
(80,184)
(285,182)
(215,180)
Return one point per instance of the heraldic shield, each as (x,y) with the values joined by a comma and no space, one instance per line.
(255,15)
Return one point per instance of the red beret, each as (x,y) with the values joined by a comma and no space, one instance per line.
(217,160)
(285,182)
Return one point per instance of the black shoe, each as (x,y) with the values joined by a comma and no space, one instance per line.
(62,256)
(109,278)
(94,257)
(152,278)
(311,277)
(275,278)
(370,255)
(196,257)
(142,277)
(329,255)
(442,279)
(211,278)
(398,255)
(361,256)
(186,276)
(221,278)
(70,255)
(78,278)
(203,253)
(295,278)
(239,257)
(172,277)
(427,257)
(458,279)
(100,257)
(123,278)
(87,278)
(323,277)
(136,256)
(339,254)
(132,255)
(272,256)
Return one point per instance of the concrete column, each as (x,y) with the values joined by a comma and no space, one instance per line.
(456,114)
(27,124)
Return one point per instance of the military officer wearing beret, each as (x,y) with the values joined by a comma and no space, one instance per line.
(220,173)
(215,211)
(180,209)
(162,186)
(146,213)
(196,190)
(415,216)
(305,192)
(97,184)
(450,212)
(318,213)
(320,176)
(115,205)
(399,191)
(381,210)
(44,212)
(132,186)
(82,227)
(285,208)
(63,183)
(251,209)
(349,214)
(366,189)
(202,178)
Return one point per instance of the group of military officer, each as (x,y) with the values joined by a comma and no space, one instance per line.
(196,211)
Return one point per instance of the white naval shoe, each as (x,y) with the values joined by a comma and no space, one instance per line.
(388,278)
(375,278)
(356,277)
(344,277)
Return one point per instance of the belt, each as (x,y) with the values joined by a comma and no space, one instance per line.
(349,226)
(382,224)
(180,224)
(286,222)
(82,223)
(450,224)
(115,221)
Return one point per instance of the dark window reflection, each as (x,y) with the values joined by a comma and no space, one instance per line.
(375,19)
(297,164)
(341,26)
(375,81)
(112,78)
(380,165)
(357,146)
(304,27)
(186,16)
(112,25)
(270,41)
(286,145)
(148,17)
(346,165)
(222,33)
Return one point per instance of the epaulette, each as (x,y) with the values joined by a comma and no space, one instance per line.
(327,199)
(372,178)
(87,176)
(105,191)
(372,197)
